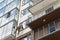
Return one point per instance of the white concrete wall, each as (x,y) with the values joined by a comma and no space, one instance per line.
(41,13)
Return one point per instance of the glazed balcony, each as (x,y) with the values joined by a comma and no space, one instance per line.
(4,3)
(7,32)
(13,16)
(8,8)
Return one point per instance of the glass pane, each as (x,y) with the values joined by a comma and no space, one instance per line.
(49,10)
(52,26)
(1,1)
(10,6)
(25,11)
(2,4)
(8,1)
(13,12)
(2,11)
(24,26)
(26,1)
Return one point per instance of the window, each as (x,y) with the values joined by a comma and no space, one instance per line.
(1,1)
(25,2)
(26,38)
(26,22)
(13,12)
(2,11)
(52,27)
(25,11)
(24,25)
(49,10)
(8,14)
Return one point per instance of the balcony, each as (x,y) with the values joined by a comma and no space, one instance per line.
(4,20)
(22,32)
(41,5)
(52,36)
(8,8)
(25,17)
(45,19)
(23,28)
(7,32)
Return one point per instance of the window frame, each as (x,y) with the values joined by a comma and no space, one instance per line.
(49,27)
(25,11)
(49,10)
(27,36)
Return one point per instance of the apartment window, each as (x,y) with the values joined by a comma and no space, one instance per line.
(13,12)
(26,38)
(8,14)
(27,21)
(49,10)
(25,2)
(25,11)
(52,27)
(24,24)
(2,11)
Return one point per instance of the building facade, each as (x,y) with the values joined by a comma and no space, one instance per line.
(44,23)
(29,20)
(46,19)
(8,18)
